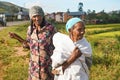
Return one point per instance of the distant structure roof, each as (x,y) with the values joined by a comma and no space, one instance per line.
(23,13)
(76,13)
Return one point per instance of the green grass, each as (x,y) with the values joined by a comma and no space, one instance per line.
(105,41)
(12,67)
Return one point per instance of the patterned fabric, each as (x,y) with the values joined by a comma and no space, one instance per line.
(41,48)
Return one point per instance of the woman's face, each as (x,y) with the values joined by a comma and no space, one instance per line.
(78,31)
(37,20)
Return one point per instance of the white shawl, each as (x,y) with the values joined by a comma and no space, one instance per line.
(63,49)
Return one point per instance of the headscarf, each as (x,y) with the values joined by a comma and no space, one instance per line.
(36,10)
(71,22)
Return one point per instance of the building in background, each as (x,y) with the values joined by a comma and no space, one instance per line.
(64,16)
(80,13)
(22,15)
(3,19)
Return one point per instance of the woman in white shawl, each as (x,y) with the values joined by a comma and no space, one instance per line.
(65,47)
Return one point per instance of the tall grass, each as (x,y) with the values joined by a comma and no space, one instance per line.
(106,52)
(12,67)
(105,41)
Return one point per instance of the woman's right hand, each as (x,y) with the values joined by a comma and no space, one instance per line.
(20,39)
(15,36)
(12,35)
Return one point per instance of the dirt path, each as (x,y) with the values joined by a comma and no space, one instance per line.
(20,51)
(2,28)
(1,71)
(13,23)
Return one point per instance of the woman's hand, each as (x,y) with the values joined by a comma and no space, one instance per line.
(55,72)
(15,36)
(20,39)
(12,35)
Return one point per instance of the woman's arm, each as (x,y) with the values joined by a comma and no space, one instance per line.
(20,39)
(75,54)
(15,36)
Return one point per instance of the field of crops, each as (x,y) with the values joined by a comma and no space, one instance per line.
(105,41)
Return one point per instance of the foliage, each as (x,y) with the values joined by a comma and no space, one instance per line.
(102,17)
(7,7)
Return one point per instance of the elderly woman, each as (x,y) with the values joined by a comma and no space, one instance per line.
(65,52)
(39,41)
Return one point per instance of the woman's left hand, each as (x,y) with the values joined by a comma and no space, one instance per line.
(55,72)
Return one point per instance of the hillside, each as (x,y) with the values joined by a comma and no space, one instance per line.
(7,7)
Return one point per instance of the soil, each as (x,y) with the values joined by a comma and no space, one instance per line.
(1,71)
(20,51)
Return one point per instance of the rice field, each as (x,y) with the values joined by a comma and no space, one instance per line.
(105,41)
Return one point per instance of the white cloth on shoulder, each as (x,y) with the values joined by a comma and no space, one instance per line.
(64,46)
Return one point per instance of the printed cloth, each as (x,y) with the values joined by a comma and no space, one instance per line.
(41,49)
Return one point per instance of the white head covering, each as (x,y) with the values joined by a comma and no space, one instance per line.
(72,22)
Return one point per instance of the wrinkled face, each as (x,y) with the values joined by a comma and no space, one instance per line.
(37,20)
(77,31)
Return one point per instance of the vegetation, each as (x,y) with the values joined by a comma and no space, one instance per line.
(102,17)
(105,41)
(9,8)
